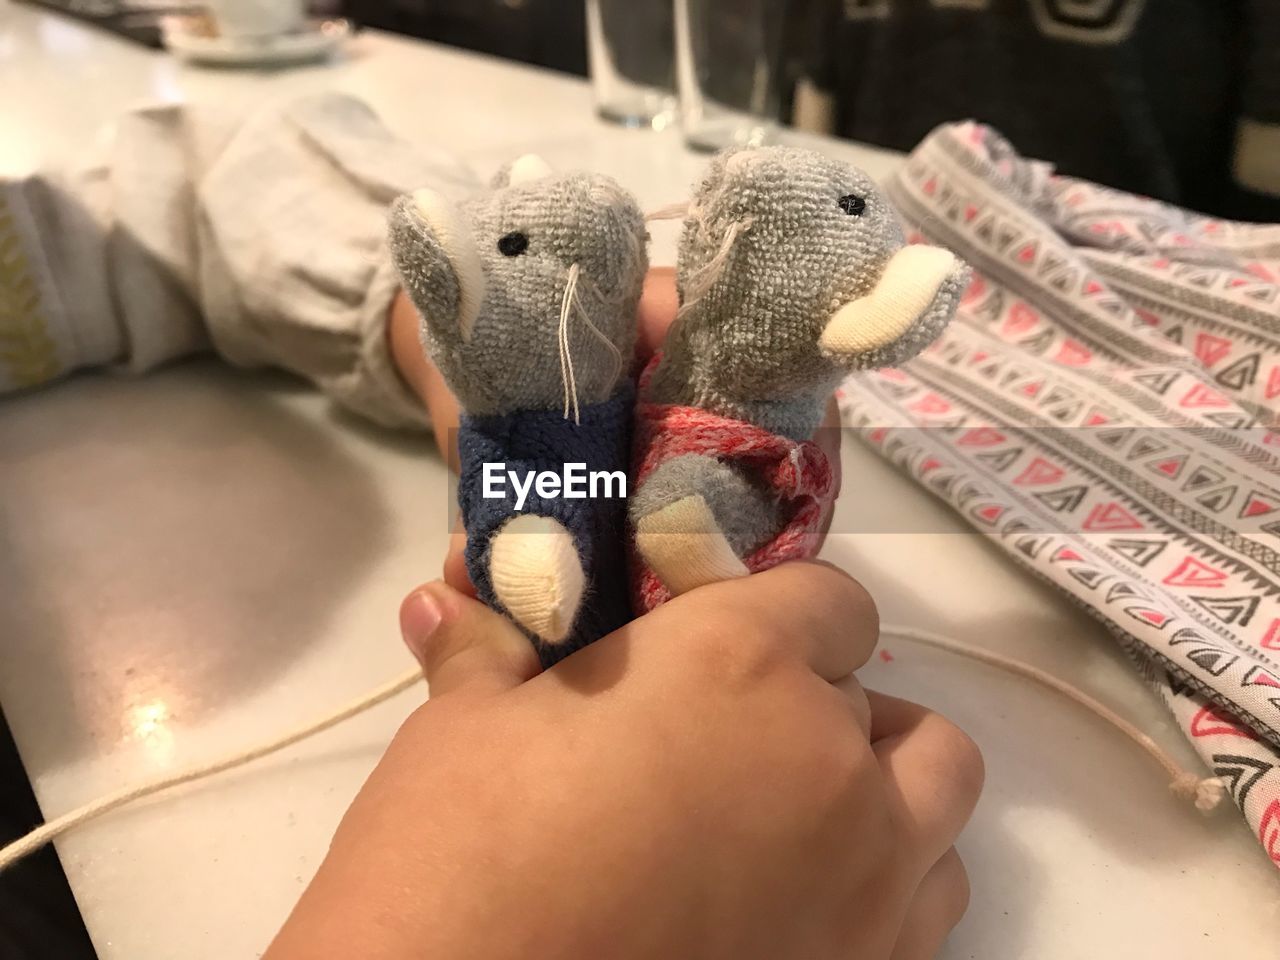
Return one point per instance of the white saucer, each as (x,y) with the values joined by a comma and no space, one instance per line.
(187,39)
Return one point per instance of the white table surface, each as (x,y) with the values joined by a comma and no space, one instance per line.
(197,560)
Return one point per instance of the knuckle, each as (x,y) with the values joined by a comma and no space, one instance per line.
(855,594)
(852,598)
(824,576)
(741,651)
(831,774)
(958,891)
(829,747)
(710,640)
(730,641)
(866,607)
(742,625)
(964,759)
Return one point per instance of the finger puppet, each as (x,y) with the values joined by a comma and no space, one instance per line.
(528,297)
(791,273)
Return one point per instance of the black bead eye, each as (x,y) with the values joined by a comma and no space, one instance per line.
(513,244)
(853,205)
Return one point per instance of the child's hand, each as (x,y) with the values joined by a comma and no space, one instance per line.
(707,782)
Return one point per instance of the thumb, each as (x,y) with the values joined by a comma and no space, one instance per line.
(455,563)
(462,644)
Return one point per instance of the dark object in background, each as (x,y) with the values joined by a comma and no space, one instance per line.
(39,919)
(738,48)
(634,62)
(1145,95)
(548,33)
(131,21)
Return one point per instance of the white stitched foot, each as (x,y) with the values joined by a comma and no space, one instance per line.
(537,575)
(683,545)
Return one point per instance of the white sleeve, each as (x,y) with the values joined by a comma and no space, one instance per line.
(261,237)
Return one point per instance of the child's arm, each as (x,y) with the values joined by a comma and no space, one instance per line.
(258,236)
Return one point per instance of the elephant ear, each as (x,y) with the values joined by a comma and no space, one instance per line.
(523,169)
(438,260)
(918,288)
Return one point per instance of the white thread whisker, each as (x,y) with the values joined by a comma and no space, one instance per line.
(561,339)
(570,303)
(698,285)
(672,211)
(614,352)
(619,363)
(567,378)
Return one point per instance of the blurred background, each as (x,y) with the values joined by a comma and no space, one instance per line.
(1175,99)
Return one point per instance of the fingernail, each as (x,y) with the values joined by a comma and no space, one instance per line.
(419,616)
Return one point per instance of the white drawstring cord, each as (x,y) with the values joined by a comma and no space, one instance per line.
(38,837)
(1206,792)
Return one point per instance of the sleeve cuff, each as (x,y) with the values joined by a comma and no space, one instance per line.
(374,386)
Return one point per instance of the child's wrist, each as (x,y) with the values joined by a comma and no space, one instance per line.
(421,375)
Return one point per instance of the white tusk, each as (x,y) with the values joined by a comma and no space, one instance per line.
(904,292)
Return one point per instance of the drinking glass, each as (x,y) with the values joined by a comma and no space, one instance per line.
(631,52)
(728,60)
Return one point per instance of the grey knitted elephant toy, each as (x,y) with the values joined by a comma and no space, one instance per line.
(528,296)
(792,272)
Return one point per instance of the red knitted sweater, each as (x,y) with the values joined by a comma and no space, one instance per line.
(799,474)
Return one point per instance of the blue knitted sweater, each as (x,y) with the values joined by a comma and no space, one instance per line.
(537,440)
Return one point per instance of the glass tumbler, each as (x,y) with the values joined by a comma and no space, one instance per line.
(728,61)
(631,53)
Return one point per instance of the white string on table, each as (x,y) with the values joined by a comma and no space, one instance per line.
(1206,792)
(38,837)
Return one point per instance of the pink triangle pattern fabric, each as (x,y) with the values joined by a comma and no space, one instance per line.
(1103,408)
